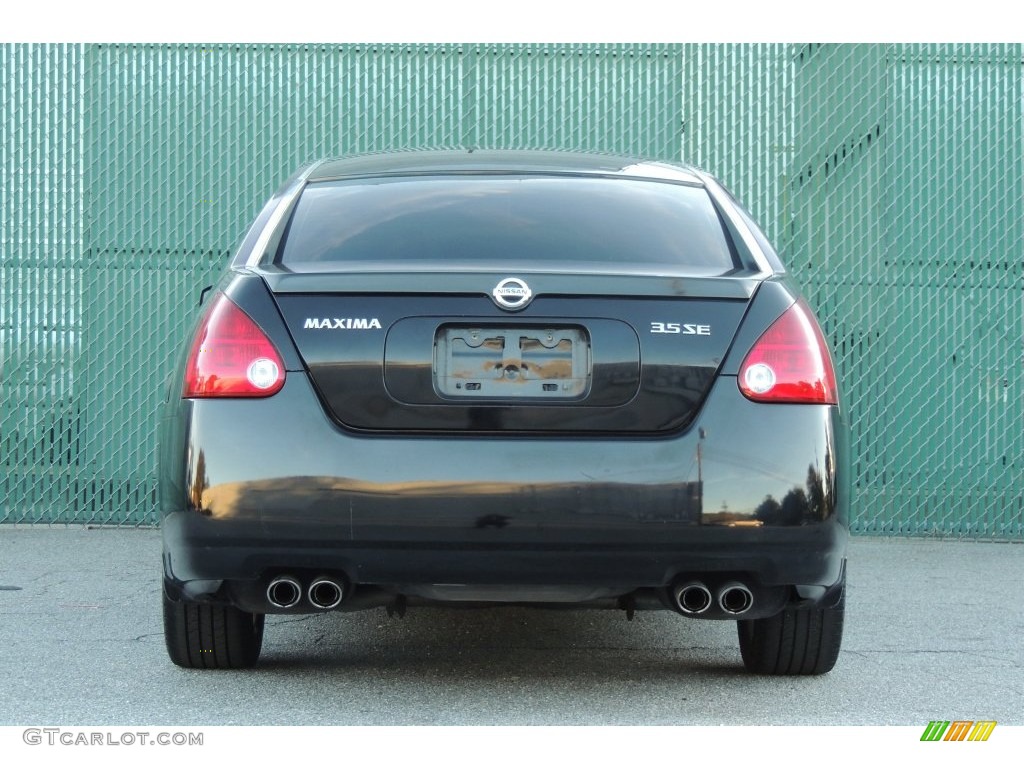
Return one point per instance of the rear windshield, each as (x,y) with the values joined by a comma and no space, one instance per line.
(499,221)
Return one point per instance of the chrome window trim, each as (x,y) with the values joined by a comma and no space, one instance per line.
(288,196)
(726,206)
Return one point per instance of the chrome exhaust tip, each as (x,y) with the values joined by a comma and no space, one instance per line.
(325,593)
(284,592)
(734,598)
(692,598)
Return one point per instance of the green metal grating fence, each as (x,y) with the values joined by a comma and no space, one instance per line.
(892,177)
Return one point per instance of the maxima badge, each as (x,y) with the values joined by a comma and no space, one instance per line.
(512,293)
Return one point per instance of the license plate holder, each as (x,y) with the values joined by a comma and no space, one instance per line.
(512,363)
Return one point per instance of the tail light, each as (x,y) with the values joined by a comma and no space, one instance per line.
(790,363)
(231,356)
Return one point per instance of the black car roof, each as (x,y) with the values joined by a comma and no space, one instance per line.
(498,161)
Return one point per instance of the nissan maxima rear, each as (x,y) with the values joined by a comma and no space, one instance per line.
(494,378)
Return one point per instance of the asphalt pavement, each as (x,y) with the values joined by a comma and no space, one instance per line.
(934,632)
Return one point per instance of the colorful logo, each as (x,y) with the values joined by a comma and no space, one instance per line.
(958,730)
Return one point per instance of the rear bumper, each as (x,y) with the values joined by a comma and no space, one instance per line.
(251,489)
(195,549)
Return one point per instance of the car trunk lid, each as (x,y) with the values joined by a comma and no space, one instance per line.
(433,351)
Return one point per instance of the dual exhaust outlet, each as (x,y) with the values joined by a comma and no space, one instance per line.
(324,592)
(694,598)
(691,598)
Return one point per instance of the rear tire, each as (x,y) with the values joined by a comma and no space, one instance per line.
(795,641)
(201,636)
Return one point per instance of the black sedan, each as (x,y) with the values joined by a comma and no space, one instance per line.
(505,378)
